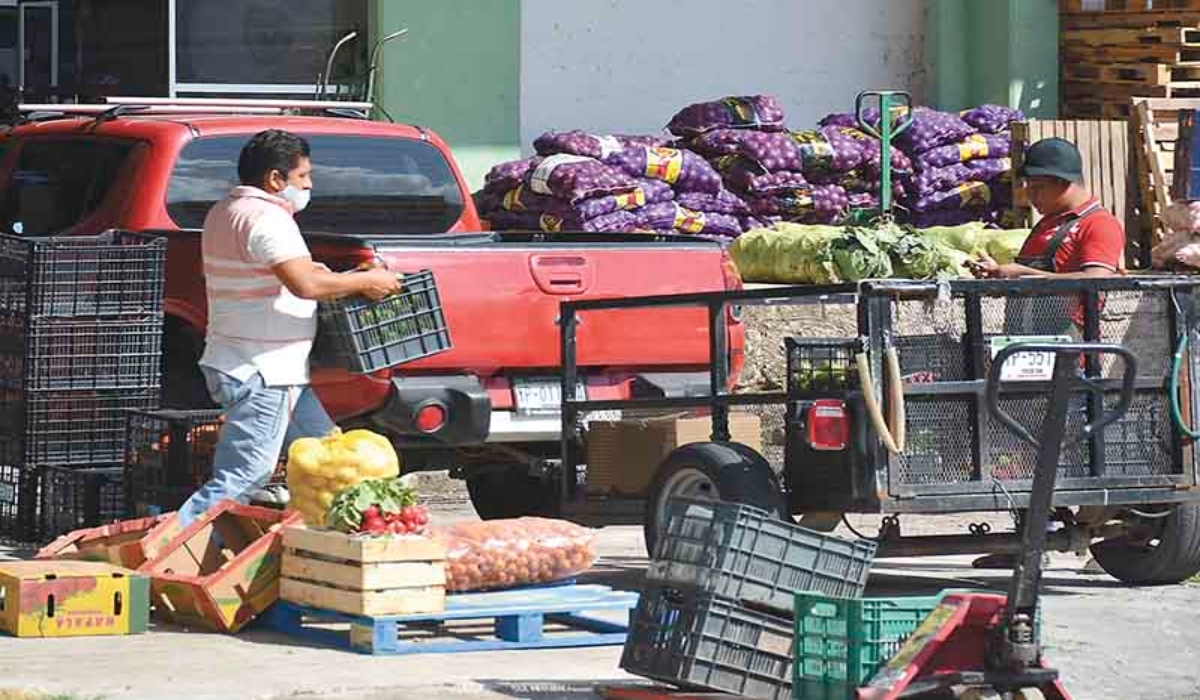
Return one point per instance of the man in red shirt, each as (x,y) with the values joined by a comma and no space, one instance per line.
(1076,236)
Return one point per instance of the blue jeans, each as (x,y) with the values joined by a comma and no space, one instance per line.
(260,423)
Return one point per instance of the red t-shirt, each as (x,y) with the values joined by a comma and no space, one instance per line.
(1097,240)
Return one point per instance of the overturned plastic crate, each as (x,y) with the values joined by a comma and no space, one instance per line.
(821,365)
(69,428)
(685,637)
(365,336)
(114,274)
(744,553)
(75,498)
(169,455)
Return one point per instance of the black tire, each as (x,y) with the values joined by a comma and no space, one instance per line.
(1175,557)
(183,384)
(735,473)
(510,493)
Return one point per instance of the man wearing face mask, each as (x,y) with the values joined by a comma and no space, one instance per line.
(263,287)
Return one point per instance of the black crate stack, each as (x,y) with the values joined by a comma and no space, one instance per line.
(169,456)
(81,321)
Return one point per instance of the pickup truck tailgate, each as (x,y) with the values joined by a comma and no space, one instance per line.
(501,300)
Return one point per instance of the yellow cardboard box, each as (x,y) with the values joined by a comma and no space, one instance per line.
(72,599)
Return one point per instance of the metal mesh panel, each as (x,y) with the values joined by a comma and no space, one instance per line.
(940,435)
(1141,443)
(1011,458)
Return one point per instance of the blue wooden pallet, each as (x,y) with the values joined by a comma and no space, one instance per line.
(519,620)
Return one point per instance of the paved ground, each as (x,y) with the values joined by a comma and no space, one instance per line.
(1111,642)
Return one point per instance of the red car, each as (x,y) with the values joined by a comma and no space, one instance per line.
(392,191)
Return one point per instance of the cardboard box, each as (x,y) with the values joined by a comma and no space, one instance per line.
(72,599)
(223,570)
(330,570)
(128,543)
(623,456)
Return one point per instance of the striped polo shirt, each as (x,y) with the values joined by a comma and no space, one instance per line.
(254,323)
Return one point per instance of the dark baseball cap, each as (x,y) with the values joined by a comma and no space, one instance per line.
(1053,157)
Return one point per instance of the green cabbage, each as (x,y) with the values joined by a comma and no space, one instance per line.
(1004,245)
(864,253)
(969,238)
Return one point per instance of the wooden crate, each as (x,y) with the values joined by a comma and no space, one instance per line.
(72,599)
(1155,124)
(331,570)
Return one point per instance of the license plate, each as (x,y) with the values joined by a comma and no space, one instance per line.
(1027,366)
(540,397)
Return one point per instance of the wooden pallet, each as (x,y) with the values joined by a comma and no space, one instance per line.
(1131,73)
(1074,19)
(538,618)
(1156,124)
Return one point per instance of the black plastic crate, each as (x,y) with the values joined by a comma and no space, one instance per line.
(686,638)
(69,428)
(744,553)
(71,499)
(86,355)
(365,336)
(169,455)
(115,273)
(824,365)
(18,504)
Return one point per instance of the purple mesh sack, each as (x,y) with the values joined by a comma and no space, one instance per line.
(992,119)
(992,216)
(572,178)
(930,129)
(723,202)
(779,151)
(745,175)
(933,180)
(687,171)
(670,215)
(505,176)
(521,198)
(617,221)
(859,181)
(816,200)
(975,147)
(969,195)
(582,143)
(761,112)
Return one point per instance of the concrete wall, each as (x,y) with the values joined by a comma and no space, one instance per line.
(457,73)
(628,65)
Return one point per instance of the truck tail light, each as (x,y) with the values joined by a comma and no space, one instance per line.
(431,417)
(828,425)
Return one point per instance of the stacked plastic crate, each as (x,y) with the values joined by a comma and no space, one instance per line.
(717,608)
(81,321)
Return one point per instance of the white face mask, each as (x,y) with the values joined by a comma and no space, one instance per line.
(298,198)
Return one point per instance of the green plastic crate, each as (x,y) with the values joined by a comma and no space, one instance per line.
(841,642)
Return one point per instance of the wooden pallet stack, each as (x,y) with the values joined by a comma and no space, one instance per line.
(1116,50)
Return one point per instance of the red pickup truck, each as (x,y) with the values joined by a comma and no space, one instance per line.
(391,191)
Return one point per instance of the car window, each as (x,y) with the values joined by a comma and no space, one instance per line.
(361,185)
(58,182)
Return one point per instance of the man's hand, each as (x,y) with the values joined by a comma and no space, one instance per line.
(377,283)
(984,267)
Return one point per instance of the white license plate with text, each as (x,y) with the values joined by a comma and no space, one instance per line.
(1027,366)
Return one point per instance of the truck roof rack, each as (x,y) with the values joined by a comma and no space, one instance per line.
(116,107)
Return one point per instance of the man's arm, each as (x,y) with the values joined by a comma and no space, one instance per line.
(1010,270)
(309,280)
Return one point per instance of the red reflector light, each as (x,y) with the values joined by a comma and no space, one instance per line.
(430,418)
(828,425)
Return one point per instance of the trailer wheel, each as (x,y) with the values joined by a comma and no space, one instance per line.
(719,471)
(1156,551)
(509,493)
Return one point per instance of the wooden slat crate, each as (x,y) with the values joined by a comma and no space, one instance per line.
(330,570)
(1156,126)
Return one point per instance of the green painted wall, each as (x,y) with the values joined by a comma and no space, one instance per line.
(1000,51)
(457,73)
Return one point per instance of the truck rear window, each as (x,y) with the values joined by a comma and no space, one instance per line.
(58,182)
(361,185)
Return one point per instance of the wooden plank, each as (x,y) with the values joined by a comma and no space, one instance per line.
(1171,36)
(1137,53)
(403,601)
(1076,89)
(365,577)
(1135,73)
(337,545)
(1113,20)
